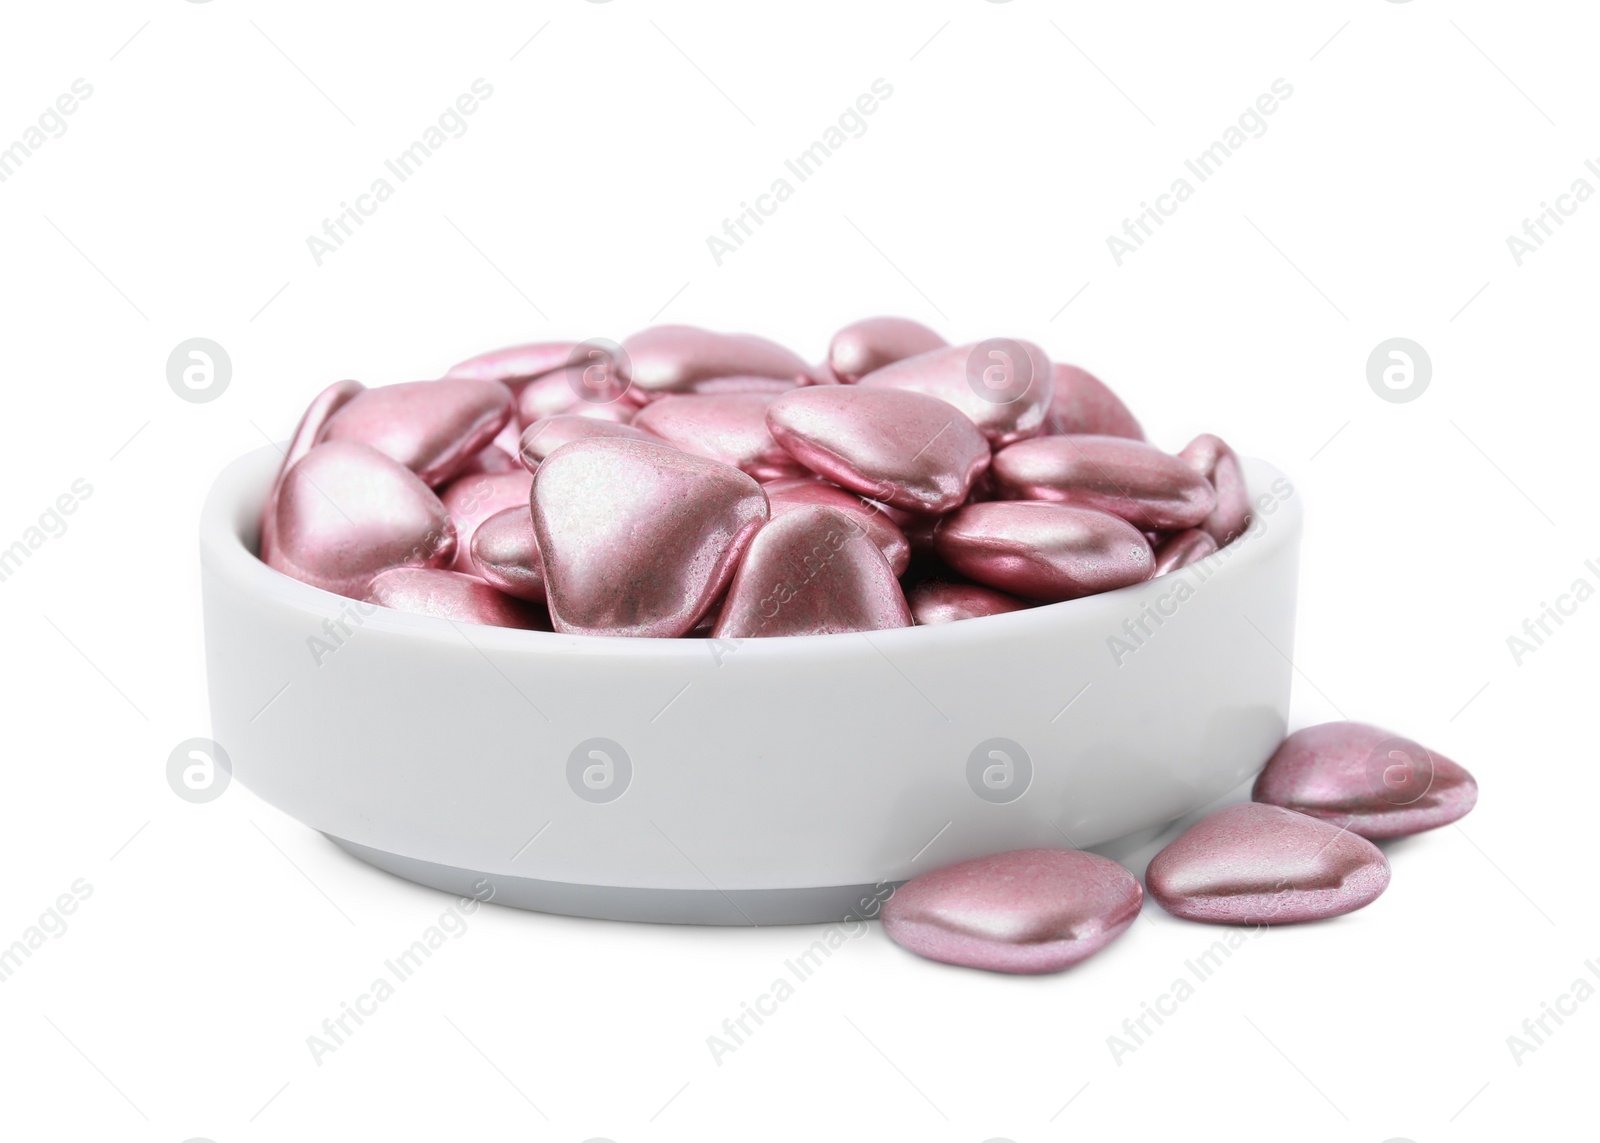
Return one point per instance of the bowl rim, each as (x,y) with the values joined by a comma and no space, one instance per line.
(230,518)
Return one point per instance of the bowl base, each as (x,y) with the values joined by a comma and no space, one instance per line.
(747,907)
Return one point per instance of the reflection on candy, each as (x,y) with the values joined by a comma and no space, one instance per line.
(906,449)
(822,374)
(543,437)
(346,512)
(1029,911)
(935,601)
(506,439)
(668,357)
(713,386)
(812,571)
(1082,404)
(470,500)
(1127,478)
(1042,551)
(1366,780)
(454,596)
(1211,457)
(788,493)
(489,461)
(515,365)
(505,551)
(638,538)
(730,427)
(1253,864)
(306,435)
(571,391)
(872,343)
(431,427)
(1002,385)
(1180,549)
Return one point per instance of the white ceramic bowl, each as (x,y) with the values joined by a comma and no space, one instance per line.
(756,781)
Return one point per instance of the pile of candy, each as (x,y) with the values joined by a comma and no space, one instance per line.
(688,482)
(1301,851)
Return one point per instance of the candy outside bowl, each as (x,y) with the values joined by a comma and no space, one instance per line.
(756,781)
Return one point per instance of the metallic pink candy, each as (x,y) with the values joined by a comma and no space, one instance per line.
(585,392)
(1180,549)
(1136,481)
(454,596)
(306,435)
(1003,386)
(666,358)
(1083,404)
(1254,864)
(543,437)
(869,344)
(714,386)
(1211,457)
(730,427)
(505,551)
(812,571)
(1043,551)
(490,461)
(909,450)
(1366,780)
(434,428)
(1029,911)
(639,538)
(620,483)
(515,365)
(788,493)
(346,512)
(473,498)
(934,601)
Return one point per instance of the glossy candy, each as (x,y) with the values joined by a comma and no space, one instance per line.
(1043,551)
(1083,404)
(785,494)
(1180,549)
(639,538)
(434,428)
(346,512)
(1366,780)
(672,357)
(473,498)
(490,461)
(869,344)
(454,596)
(1028,911)
(1127,478)
(515,365)
(812,571)
(906,449)
(730,427)
(306,435)
(714,386)
(1211,457)
(543,437)
(1002,385)
(567,391)
(505,550)
(1254,864)
(822,374)
(934,452)
(935,601)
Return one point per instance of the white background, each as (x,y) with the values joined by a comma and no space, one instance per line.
(1018,137)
